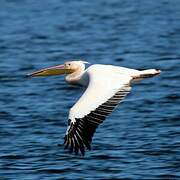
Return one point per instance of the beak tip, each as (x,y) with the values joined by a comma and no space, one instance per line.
(30,75)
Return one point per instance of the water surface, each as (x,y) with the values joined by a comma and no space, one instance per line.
(140,140)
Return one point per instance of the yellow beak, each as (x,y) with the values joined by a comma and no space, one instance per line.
(51,71)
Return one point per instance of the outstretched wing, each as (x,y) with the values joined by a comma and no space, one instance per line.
(106,89)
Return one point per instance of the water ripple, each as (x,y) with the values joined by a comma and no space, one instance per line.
(140,140)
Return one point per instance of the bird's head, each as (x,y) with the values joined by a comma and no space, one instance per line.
(67,68)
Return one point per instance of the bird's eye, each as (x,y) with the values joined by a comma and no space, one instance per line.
(69,64)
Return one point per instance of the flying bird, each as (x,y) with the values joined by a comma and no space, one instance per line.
(107,86)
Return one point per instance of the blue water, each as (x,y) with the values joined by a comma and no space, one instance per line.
(140,140)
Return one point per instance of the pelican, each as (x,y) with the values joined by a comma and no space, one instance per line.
(107,86)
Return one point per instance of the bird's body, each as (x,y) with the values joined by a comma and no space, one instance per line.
(107,85)
(101,84)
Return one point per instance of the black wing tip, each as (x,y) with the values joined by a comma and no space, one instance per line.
(77,139)
(77,149)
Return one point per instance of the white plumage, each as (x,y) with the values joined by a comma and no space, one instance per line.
(107,85)
(102,86)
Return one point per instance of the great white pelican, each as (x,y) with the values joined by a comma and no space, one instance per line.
(107,86)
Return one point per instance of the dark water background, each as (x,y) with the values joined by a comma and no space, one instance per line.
(140,140)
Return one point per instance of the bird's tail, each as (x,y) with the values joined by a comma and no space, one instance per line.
(145,74)
(149,73)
